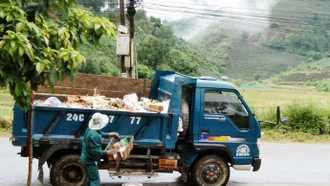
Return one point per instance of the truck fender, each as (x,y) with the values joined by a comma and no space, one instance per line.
(219,149)
(44,157)
(193,152)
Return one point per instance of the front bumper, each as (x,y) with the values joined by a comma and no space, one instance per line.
(256,164)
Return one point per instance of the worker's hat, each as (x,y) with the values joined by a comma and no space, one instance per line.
(98,121)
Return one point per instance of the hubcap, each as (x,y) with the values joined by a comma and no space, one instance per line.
(211,173)
(73,173)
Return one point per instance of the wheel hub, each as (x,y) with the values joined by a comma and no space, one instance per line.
(211,173)
(72,173)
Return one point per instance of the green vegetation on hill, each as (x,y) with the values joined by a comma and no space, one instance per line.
(301,27)
(252,62)
(308,73)
(157,48)
(215,45)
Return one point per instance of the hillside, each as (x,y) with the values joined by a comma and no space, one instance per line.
(298,12)
(315,74)
(247,61)
(297,33)
(252,43)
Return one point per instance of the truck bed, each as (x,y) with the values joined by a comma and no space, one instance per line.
(56,125)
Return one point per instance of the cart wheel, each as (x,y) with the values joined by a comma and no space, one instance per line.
(68,171)
(211,170)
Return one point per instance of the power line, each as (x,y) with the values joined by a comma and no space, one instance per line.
(256,23)
(258,18)
(222,7)
(230,14)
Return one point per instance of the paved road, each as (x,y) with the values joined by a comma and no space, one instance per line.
(288,164)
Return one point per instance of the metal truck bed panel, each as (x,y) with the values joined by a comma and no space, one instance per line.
(150,129)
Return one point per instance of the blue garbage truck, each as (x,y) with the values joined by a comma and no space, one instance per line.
(219,131)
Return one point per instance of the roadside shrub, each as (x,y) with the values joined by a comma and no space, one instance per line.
(310,116)
(4,123)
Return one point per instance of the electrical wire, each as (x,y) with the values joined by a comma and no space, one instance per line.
(232,15)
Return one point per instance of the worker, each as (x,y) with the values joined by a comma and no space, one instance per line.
(92,147)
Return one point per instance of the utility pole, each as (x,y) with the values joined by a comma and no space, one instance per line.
(130,14)
(122,22)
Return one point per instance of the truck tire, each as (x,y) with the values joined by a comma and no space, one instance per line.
(68,171)
(185,117)
(211,170)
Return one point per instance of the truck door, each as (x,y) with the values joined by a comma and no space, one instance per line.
(224,118)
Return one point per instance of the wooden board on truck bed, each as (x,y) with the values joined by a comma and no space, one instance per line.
(85,84)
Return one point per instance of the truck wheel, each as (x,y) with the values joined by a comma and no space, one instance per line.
(68,171)
(211,170)
(185,117)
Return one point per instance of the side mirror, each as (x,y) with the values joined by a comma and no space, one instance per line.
(283,120)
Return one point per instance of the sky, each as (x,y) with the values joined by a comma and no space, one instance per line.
(249,15)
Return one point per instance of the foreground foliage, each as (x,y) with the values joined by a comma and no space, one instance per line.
(38,41)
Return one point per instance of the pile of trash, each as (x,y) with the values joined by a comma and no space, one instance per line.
(129,102)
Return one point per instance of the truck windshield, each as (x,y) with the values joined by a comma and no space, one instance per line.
(226,103)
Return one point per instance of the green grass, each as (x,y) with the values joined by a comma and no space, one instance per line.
(279,136)
(6,105)
(265,98)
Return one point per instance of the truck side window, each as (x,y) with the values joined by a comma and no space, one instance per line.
(228,104)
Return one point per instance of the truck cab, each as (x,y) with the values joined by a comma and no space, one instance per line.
(220,129)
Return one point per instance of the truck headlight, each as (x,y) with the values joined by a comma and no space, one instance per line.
(259,143)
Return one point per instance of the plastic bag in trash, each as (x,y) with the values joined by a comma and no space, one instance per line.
(52,102)
(131,102)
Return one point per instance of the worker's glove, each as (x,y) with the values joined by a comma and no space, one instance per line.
(111,152)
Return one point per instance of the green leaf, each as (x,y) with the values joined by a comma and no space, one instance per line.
(54,77)
(12,44)
(20,51)
(19,26)
(66,58)
(9,18)
(20,62)
(113,32)
(97,26)
(74,64)
(73,55)
(40,67)
(25,93)
(46,40)
(2,13)
(64,75)
(2,43)
(17,90)
(62,55)
(67,35)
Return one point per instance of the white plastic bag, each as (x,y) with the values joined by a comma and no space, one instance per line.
(131,102)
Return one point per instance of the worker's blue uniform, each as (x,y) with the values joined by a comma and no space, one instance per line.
(91,153)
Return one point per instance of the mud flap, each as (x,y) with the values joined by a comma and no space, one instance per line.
(41,172)
(184,173)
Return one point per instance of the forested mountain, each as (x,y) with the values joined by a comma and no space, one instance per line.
(291,35)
